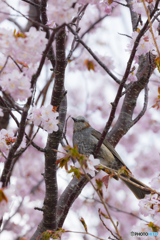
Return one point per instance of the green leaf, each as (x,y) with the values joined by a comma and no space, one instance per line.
(75,171)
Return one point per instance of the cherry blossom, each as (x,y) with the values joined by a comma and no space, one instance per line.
(17,84)
(46,116)
(61,12)
(20,47)
(7,140)
(149,205)
(91,93)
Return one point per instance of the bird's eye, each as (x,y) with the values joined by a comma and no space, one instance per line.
(82,120)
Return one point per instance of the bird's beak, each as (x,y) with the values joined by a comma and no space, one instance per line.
(74,119)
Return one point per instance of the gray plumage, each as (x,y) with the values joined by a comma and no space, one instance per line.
(86,139)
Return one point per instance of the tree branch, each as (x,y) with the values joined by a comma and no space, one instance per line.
(125,122)
(75,186)
(59,100)
(93,55)
(134,15)
(119,92)
(68,197)
(50,55)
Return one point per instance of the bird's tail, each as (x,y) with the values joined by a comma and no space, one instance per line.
(138,188)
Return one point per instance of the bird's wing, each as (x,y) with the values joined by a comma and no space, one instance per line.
(97,135)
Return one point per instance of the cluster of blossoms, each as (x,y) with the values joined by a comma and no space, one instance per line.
(146,43)
(106,5)
(20,45)
(46,117)
(60,12)
(138,6)
(6,199)
(16,84)
(22,51)
(7,140)
(91,163)
(150,205)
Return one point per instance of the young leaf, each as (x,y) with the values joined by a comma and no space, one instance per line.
(84,223)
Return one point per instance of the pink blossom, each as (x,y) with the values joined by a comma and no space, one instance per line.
(17,84)
(48,113)
(36,115)
(149,205)
(146,43)
(50,125)
(45,116)
(20,46)
(61,11)
(146,207)
(139,7)
(7,140)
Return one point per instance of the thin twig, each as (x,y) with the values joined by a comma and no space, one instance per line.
(125,5)
(9,110)
(34,144)
(24,149)
(9,56)
(93,55)
(125,35)
(3,154)
(4,65)
(105,224)
(128,180)
(122,83)
(65,130)
(16,23)
(17,210)
(31,20)
(32,3)
(86,175)
(117,209)
(68,231)
(87,31)
(39,209)
(37,186)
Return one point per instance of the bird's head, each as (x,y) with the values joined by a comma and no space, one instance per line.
(80,123)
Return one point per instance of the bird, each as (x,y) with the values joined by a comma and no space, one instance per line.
(86,138)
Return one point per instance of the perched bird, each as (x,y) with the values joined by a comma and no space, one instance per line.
(86,139)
